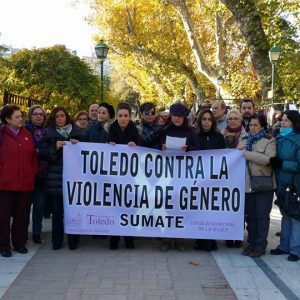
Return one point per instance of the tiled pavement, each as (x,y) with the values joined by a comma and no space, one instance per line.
(94,272)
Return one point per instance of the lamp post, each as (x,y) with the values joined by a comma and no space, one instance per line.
(274,54)
(220,81)
(101,50)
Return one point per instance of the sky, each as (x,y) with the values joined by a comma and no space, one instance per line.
(44,23)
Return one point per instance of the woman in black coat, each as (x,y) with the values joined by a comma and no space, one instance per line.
(209,138)
(123,131)
(60,130)
(178,126)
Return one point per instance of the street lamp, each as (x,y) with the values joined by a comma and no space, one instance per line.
(274,54)
(101,51)
(220,81)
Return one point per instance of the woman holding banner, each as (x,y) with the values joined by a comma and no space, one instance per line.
(209,138)
(123,131)
(177,126)
(233,134)
(259,148)
(60,129)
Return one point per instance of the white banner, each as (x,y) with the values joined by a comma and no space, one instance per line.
(135,191)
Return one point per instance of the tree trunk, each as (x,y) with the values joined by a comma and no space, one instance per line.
(249,20)
(204,67)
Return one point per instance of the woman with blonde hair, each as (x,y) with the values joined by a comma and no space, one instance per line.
(233,133)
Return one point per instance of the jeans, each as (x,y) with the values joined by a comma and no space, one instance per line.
(258,207)
(290,235)
(38,203)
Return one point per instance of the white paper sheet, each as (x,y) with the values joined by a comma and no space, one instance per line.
(175,143)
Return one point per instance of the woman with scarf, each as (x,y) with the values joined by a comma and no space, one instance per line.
(177,125)
(36,120)
(18,168)
(209,138)
(123,131)
(287,167)
(233,134)
(258,148)
(60,129)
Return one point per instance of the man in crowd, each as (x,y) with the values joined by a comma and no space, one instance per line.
(247,110)
(93,113)
(219,110)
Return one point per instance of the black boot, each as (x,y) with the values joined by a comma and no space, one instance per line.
(36,239)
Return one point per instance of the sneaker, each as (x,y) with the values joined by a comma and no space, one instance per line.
(293,257)
(277,251)
(165,247)
(247,251)
(256,253)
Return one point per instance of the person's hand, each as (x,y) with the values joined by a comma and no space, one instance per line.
(163,147)
(184,147)
(73,141)
(60,144)
(131,144)
(112,143)
(241,147)
(276,162)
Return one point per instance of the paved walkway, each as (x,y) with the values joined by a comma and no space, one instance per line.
(94,272)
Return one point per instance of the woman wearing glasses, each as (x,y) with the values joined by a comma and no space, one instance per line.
(233,134)
(35,125)
(82,121)
(150,131)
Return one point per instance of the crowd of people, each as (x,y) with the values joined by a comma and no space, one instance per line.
(31,165)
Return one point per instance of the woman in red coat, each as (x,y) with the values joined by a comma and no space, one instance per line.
(18,168)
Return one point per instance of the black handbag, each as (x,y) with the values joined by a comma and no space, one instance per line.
(291,204)
(260,183)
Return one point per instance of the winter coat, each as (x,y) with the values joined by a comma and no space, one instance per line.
(18,161)
(259,159)
(210,140)
(184,131)
(130,134)
(150,135)
(228,138)
(55,158)
(38,133)
(96,134)
(288,149)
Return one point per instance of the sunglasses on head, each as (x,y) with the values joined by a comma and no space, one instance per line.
(149,113)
